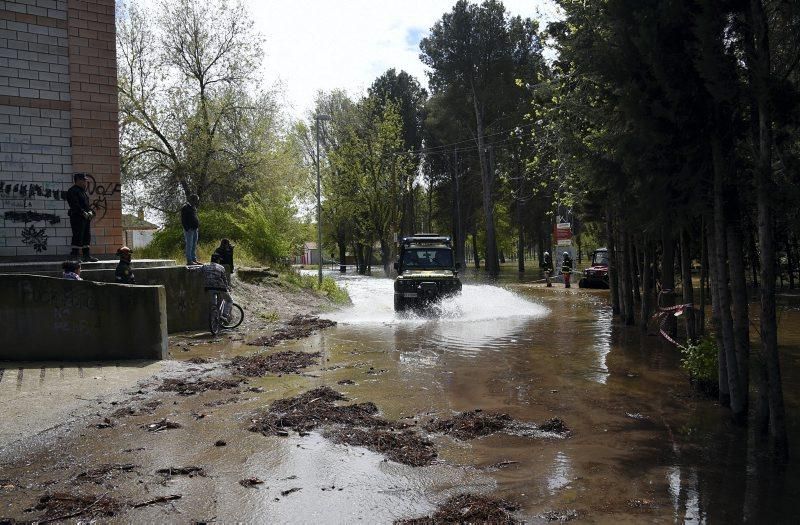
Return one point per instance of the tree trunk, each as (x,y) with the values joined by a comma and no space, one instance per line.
(688,289)
(487,185)
(668,277)
(716,315)
(342,255)
(613,281)
(460,235)
(386,257)
(627,276)
(741,314)
(636,271)
(647,285)
(475,257)
(766,229)
(790,262)
(703,277)
(721,274)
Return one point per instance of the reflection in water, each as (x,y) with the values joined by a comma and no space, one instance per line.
(602,343)
(482,317)
(561,475)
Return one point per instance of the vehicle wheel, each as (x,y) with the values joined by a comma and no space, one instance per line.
(399,304)
(214,321)
(582,283)
(236,317)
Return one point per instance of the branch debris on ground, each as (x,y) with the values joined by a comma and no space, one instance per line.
(190,471)
(189,388)
(554,425)
(355,424)
(287,362)
(251,482)
(299,327)
(103,472)
(159,426)
(469,425)
(62,505)
(468,508)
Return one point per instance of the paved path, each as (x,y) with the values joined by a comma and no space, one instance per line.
(35,397)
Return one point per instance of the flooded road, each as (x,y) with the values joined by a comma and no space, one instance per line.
(643,447)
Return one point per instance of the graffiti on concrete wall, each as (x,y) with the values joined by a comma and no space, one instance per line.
(31,216)
(100,194)
(36,237)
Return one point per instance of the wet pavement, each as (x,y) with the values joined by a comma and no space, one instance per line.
(643,446)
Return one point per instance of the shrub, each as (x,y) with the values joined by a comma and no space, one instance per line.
(329,288)
(700,359)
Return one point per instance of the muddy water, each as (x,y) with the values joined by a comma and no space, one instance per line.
(643,447)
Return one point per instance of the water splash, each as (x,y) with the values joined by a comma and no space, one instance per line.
(482,316)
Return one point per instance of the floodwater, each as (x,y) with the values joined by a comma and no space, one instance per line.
(644,447)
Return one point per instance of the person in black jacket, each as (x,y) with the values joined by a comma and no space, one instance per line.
(124,273)
(547,266)
(80,217)
(566,268)
(225,253)
(191,226)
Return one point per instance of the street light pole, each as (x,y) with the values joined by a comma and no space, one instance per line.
(319,203)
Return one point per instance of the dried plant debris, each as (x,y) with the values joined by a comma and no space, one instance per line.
(468,508)
(155,501)
(199,360)
(312,409)
(346,382)
(251,482)
(190,471)
(63,505)
(555,425)
(103,472)
(146,408)
(279,363)
(404,446)
(357,424)
(164,424)
(298,327)
(189,388)
(469,425)
(290,491)
(105,423)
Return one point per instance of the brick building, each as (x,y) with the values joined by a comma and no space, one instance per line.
(58,115)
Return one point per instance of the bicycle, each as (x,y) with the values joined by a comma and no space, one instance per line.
(216,320)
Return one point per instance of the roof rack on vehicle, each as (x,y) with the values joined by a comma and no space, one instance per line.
(426,238)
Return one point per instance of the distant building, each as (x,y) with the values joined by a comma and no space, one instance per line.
(310,254)
(137,232)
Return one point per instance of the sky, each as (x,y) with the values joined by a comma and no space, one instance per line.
(313,45)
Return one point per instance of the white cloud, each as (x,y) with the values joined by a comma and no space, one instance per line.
(316,45)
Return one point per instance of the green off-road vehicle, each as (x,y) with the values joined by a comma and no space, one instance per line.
(426,271)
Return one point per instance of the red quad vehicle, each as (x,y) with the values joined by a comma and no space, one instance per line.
(596,276)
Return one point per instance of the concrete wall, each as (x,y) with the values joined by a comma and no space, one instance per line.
(58,115)
(46,318)
(187,301)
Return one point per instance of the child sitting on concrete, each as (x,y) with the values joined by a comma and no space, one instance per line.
(72,270)
(124,273)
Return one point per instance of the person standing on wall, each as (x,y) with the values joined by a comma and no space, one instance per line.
(225,253)
(191,226)
(80,217)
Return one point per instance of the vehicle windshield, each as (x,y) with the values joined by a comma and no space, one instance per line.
(600,259)
(427,258)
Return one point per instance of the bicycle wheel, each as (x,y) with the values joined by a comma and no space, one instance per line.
(236,317)
(214,321)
